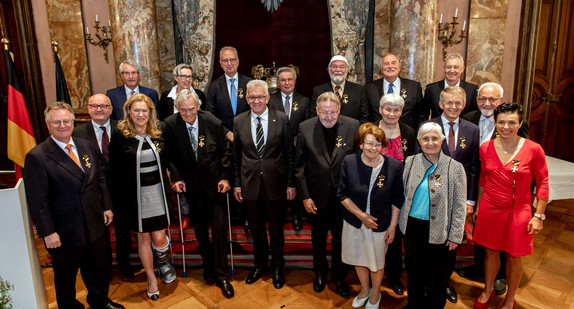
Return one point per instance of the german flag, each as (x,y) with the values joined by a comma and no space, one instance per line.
(20,134)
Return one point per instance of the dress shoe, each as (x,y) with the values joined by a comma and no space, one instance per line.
(255,274)
(319,282)
(479,305)
(153,295)
(184,223)
(368,305)
(297,223)
(360,302)
(226,287)
(471,271)
(278,278)
(342,288)
(398,288)
(111,305)
(247,227)
(127,270)
(451,293)
(499,286)
(209,278)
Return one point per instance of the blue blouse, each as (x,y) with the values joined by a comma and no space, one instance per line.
(421,200)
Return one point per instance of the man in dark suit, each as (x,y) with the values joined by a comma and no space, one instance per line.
(130,74)
(200,159)
(410,90)
(453,69)
(183,76)
(322,143)
(353,97)
(296,106)
(263,157)
(98,132)
(462,142)
(70,204)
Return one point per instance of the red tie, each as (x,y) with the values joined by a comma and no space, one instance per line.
(105,142)
(451,141)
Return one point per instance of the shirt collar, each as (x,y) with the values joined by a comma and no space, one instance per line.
(396,83)
(136,89)
(234,76)
(97,126)
(342,85)
(63,145)
(490,119)
(263,116)
(446,84)
(446,121)
(173,92)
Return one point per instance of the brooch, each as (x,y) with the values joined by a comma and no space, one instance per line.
(157,148)
(295,106)
(381,181)
(462,140)
(240,93)
(437,179)
(201,141)
(515,167)
(87,161)
(339,141)
(404,145)
(345,98)
(404,94)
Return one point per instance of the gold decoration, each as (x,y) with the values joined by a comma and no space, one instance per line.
(515,167)
(339,140)
(437,179)
(87,162)
(345,98)
(381,181)
(157,148)
(404,141)
(240,93)
(462,142)
(103,35)
(295,106)
(201,141)
(404,94)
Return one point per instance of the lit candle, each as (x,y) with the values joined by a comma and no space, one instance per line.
(440,21)
(87,30)
(464,25)
(99,20)
(455,14)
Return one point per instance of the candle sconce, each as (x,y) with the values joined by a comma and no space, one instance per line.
(447,31)
(103,35)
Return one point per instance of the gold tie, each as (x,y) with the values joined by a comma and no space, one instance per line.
(73,155)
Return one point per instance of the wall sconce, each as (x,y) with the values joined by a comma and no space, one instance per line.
(446,38)
(103,35)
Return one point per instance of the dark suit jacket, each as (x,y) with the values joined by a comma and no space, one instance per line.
(466,152)
(165,106)
(219,103)
(316,172)
(214,153)
(408,137)
(412,93)
(299,109)
(276,166)
(86,131)
(61,197)
(118,98)
(432,97)
(474,117)
(356,106)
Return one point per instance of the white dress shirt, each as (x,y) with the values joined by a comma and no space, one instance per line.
(264,122)
(99,132)
(396,86)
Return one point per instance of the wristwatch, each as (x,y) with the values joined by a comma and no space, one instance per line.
(540,216)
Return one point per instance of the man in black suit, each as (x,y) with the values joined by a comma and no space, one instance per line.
(322,143)
(296,106)
(183,76)
(263,157)
(352,96)
(462,143)
(453,69)
(200,157)
(98,132)
(70,204)
(130,74)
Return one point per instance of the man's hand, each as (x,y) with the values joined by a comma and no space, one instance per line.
(238,196)
(52,241)
(108,217)
(291,193)
(175,186)
(309,206)
(230,136)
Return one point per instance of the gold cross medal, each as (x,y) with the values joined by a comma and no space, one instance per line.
(515,167)
(345,98)
(339,141)
(295,106)
(381,181)
(404,94)
(201,141)
(156,144)
(240,93)
(87,162)
(462,140)
(437,179)
(404,145)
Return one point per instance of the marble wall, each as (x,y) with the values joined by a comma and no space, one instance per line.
(166,44)
(382,40)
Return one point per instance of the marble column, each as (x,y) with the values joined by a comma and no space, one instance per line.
(166,46)
(413,37)
(135,36)
(382,39)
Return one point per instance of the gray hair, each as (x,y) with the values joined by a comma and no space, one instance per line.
(453,56)
(493,85)
(56,106)
(392,99)
(328,96)
(286,69)
(181,66)
(228,48)
(259,84)
(129,62)
(185,95)
(428,127)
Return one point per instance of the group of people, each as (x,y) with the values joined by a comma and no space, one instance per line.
(379,166)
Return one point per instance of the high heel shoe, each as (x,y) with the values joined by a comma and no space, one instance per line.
(479,305)
(368,305)
(152,295)
(360,302)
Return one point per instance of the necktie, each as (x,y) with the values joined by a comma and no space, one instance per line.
(338,91)
(451,141)
(105,142)
(287,106)
(391,85)
(73,155)
(132,93)
(233,96)
(259,137)
(193,141)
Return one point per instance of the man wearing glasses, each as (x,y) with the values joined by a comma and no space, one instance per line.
(183,76)
(130,74)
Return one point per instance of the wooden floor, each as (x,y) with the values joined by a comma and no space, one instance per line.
(548,281)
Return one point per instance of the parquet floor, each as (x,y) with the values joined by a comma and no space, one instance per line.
(548,281)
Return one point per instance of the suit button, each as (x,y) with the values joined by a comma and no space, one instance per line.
(432,190)
(433,205)
(432,217)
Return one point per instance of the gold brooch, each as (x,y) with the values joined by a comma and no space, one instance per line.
(462,140)
(381,181)
(295,106)
(404,94)
(515,167)
(345,98)
(87,161)
(240,93)
(339,141)
(404,141)
(201,141)
(157,148)
(437,179)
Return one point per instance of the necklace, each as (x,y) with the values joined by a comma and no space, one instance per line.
(512,147)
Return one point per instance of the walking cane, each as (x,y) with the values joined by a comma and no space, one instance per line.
(229,223)
(181,231)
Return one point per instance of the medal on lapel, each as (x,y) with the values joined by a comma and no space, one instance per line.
(345,98)
(201,142)
(404,141)
(240,93)
(515,167)
(87,162)
(462,142)
(339,141)
(381,181)
(295,106)
(157,148)
(437,180)
(404,94)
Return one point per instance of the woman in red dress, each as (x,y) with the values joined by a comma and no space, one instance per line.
(504,219)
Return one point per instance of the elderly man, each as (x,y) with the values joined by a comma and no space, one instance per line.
(70,204)
(462,142)
(200,157)
(130,74)
(183,76)
(322,143)
(296,106)
(410,90)
(263,165)
(453,69)
(352,96)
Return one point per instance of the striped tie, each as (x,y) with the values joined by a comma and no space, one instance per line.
(259,137)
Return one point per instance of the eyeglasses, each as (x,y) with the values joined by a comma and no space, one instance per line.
(342,66)
(229,60)
(325,114)
(491,100)
(131,73)
(57,123)
(260,98)
(99,106)
(185,76)
(373,145)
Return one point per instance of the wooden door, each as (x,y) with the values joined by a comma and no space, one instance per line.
(552,110)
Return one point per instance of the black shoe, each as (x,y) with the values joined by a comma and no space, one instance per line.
(471,271)
(499,286)
(111,305)
(319,282)
(255,274)
(342,288)
(127,270)
(226,287)
(398,288)
(297,223)
(247,227)
(278,278)
(209,278)
(451,293)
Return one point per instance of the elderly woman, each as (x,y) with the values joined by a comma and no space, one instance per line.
(432,218)
(504,222)
(371,189)
(183,77)
(140,187)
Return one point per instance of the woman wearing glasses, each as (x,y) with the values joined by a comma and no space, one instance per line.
(183,76)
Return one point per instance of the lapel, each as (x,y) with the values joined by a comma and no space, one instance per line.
(320,138)
(61,158)
(123,94)
(272,128)
(201,132)
(245,130)
(225,93)
(86,161)
(444,145)
(182,129)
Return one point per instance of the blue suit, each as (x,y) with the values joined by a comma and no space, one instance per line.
(118,98)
